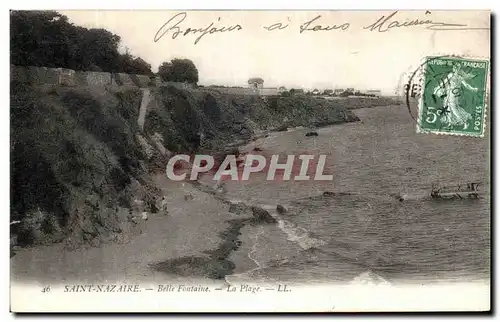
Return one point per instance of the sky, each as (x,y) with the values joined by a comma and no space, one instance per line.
(325,59)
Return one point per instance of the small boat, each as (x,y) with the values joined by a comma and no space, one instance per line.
(469,191)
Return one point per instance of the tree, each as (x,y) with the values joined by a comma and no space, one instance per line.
(178,70)
(99,47)
(346,93)
(38,37)
(134,65)
(48,39)
(141,66)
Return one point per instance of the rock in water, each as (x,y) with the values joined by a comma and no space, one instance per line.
(312,134)
(238,208)
(334,194)
(263,215)
(280,209)
(281,128)
(145,215)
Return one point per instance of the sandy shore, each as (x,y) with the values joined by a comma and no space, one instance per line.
(199,240)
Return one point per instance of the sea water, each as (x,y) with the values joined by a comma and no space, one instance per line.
(366,235)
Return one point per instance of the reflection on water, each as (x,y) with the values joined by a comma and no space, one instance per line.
(369,230)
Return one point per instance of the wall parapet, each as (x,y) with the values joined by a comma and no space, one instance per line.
(68,77)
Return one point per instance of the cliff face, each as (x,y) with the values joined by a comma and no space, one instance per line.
(76,166)
(80,164)
(223,117)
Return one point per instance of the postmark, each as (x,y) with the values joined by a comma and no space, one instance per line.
(453,96)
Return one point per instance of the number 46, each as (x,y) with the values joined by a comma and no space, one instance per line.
(431,116)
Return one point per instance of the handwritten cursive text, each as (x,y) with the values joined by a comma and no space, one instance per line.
(384,24)
(277,26)
(305,26)
(173,25)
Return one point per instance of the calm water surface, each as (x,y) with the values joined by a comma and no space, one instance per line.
(370,231)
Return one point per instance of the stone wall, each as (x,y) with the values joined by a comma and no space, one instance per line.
(92,78)
(35,75)
(69,77)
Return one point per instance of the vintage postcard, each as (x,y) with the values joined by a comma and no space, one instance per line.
(250,161)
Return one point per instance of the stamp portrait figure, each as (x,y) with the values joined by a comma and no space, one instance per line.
(450,88)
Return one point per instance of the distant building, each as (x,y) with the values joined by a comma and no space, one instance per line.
(328,92)
(315,91)
(350,89)
(256,83)
(339,90)
(375,92)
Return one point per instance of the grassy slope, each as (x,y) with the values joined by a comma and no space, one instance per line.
(77,165)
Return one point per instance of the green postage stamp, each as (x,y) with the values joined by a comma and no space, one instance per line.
(454,97)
